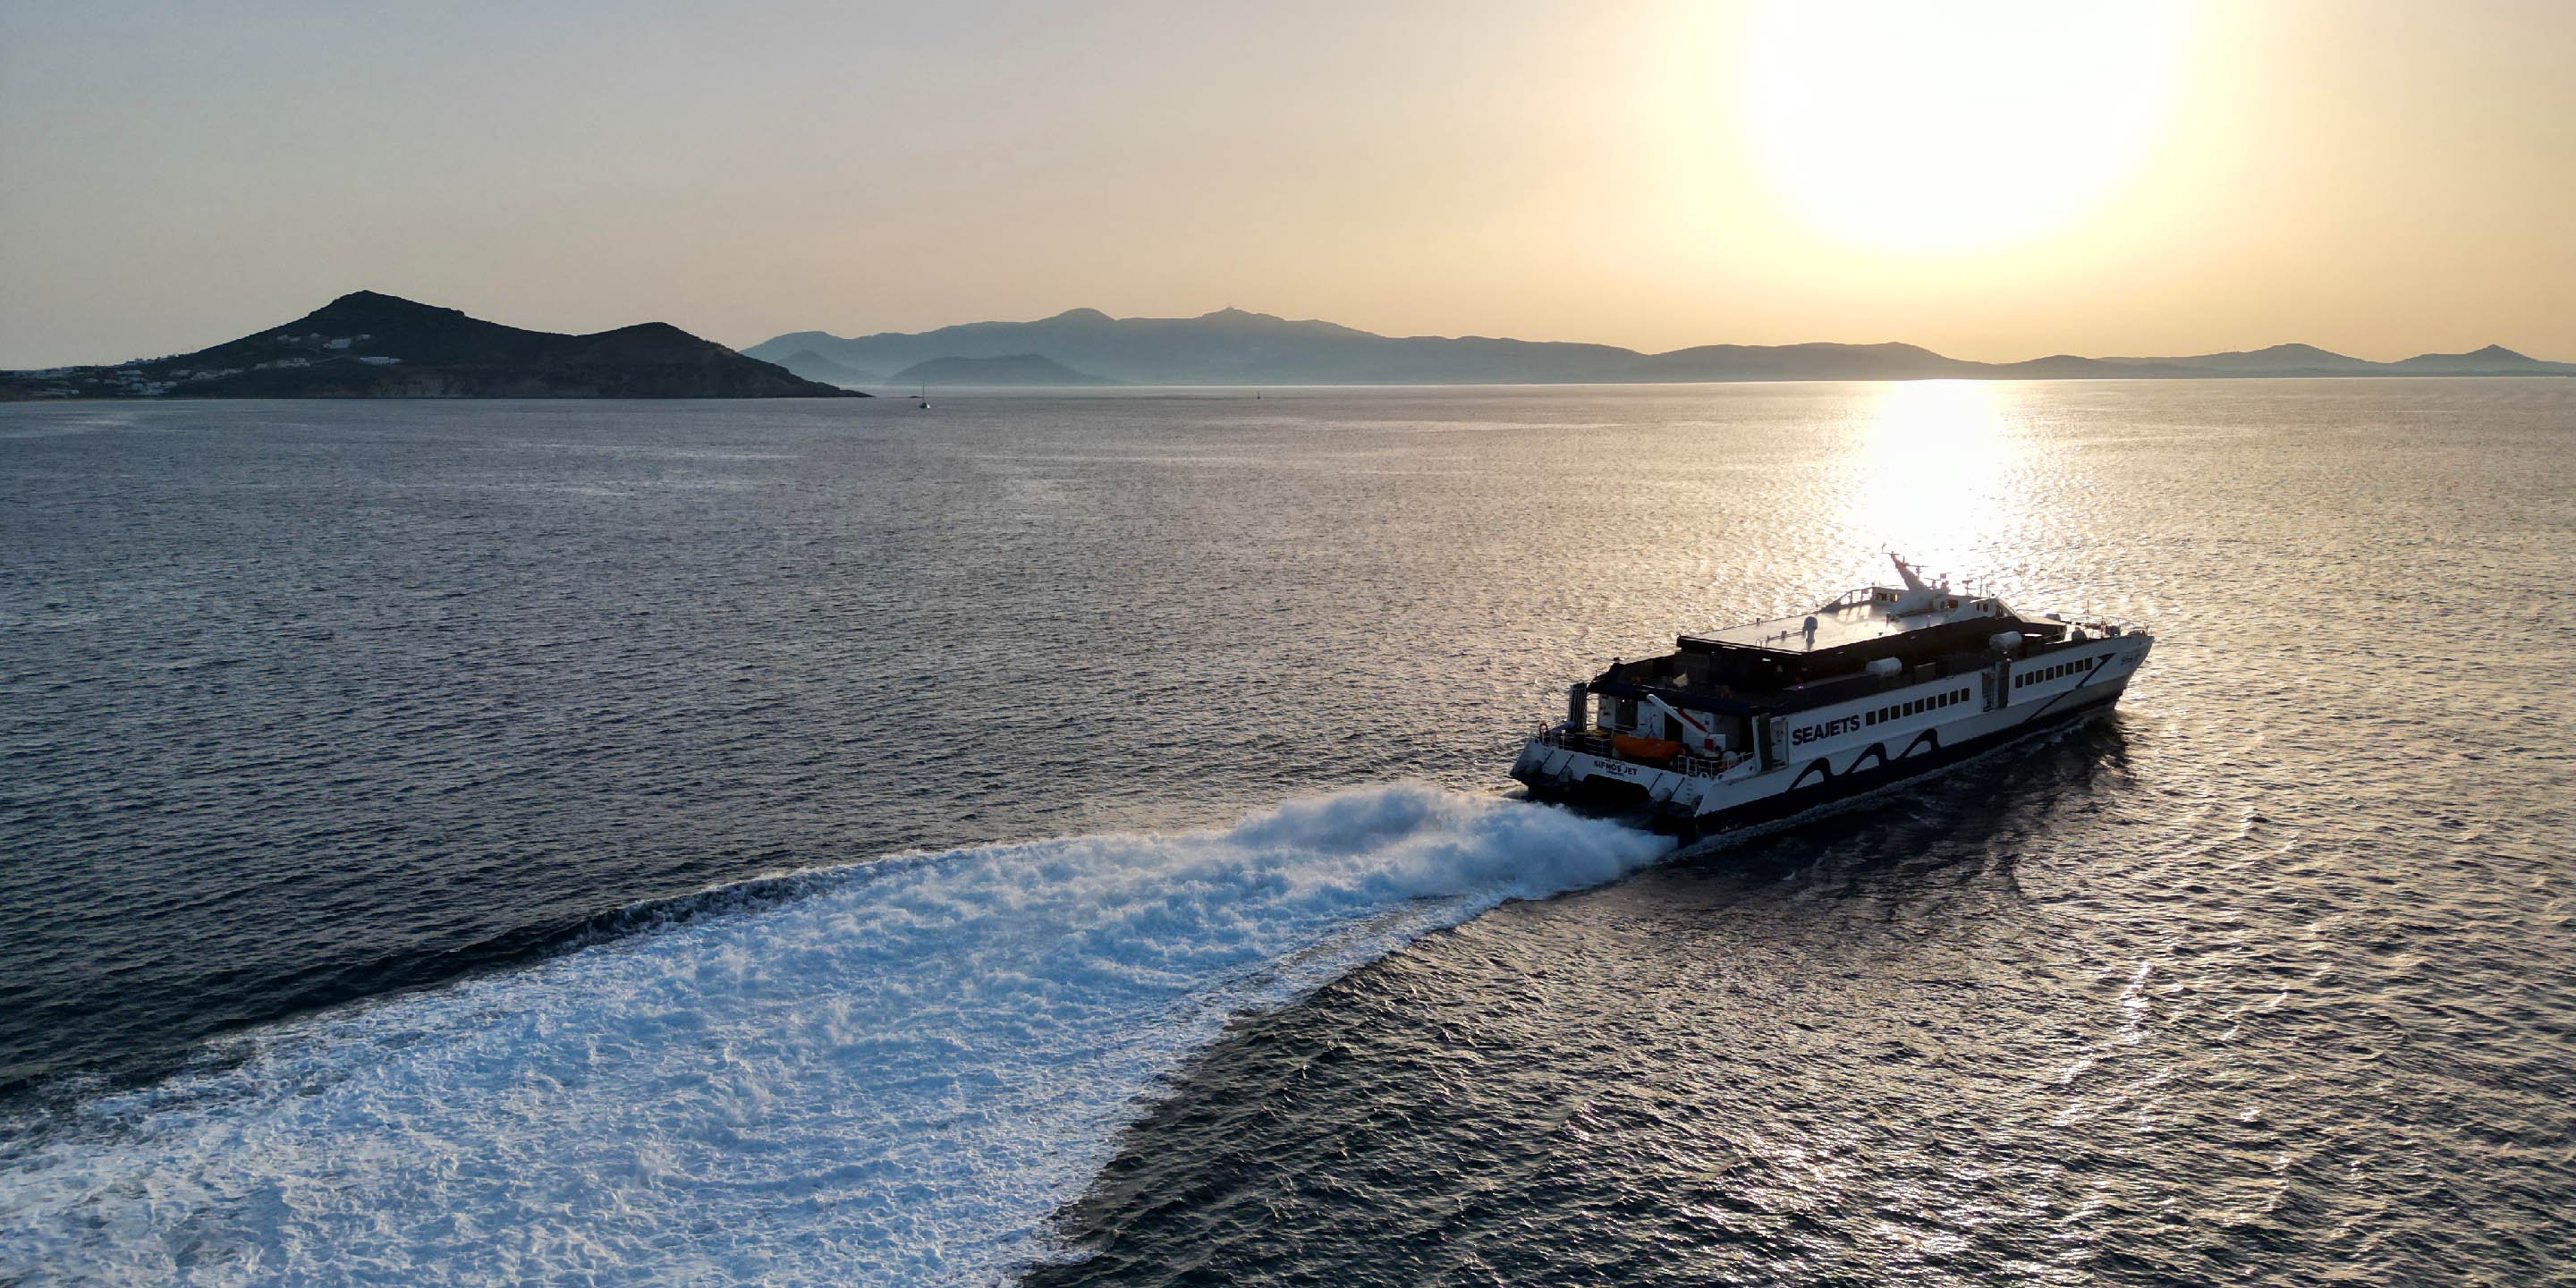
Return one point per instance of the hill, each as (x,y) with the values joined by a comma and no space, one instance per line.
(1228,347)
(2493,360)
(814,366)
(1233,347)
(368,345)
(2278,360)
(1016,369)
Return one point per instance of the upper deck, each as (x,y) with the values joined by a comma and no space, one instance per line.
(1858,617)
(1862,640)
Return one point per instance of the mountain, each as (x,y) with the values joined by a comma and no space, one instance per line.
(2278,360)
(1228,347)
(1797,362)
(1015,369)
(367,345)
(2493,360)
(1233,347)
(814,366)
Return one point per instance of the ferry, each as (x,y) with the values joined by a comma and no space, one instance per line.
(1767,721)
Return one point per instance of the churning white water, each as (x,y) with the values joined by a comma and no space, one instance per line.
(893,1076)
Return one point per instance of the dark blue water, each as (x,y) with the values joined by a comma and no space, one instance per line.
(446,842)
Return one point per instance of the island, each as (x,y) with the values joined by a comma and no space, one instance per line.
(1009,369)
(1235,347)
(370,345)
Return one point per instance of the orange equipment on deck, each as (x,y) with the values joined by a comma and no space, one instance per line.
(1656,749)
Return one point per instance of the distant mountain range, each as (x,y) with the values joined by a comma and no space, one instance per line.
(366,345)
(1012,369)
(1232,347)
(814,366)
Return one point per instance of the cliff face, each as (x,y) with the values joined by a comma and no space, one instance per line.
(367,345)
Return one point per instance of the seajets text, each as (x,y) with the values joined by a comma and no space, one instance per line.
(1804,734)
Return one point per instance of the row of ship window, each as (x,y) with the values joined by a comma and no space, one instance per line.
(2021,678)
(1916,707)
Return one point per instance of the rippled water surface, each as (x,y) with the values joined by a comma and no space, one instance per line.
(795,843)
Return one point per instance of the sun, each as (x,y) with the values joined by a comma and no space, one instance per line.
(1956,125)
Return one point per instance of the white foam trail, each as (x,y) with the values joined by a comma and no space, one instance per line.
(892,1078)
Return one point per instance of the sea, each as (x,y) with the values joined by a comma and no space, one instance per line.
(1065,839)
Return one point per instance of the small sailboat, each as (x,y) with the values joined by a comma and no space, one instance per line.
(924,398)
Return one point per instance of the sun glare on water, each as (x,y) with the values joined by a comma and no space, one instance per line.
(1956,126)
(1934,471)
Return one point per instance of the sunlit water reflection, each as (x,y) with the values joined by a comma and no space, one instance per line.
(1939,471)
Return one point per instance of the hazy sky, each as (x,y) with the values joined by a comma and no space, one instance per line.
(2382,179)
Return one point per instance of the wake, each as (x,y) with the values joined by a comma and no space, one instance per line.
(893,1076)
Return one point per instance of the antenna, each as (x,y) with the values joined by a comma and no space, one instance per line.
(1906,571)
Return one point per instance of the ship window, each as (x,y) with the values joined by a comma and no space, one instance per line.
(1869,718)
